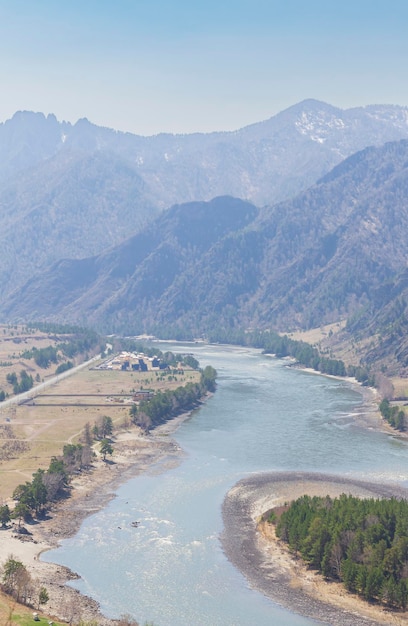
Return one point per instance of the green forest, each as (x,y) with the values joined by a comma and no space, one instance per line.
(361,542)
(394,415)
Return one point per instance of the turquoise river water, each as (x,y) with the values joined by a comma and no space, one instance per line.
(264,416)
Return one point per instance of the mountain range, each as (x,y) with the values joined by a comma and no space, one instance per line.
(264,163)
(71,191)
(86,238)
(335,251)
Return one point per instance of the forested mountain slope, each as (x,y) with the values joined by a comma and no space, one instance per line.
(74,190)
(130,283)
(338,250)
(72,206)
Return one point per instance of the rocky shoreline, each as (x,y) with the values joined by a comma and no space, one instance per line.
(135,454)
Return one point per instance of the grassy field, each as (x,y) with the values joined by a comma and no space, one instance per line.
(315,336)
(14,341)
(58,414)
(331,341)
(400,387)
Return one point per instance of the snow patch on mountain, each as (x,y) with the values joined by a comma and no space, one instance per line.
(398,116)
(318,126)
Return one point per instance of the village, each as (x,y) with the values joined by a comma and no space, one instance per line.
(130,361)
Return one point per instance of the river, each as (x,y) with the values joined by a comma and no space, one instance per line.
(264,416)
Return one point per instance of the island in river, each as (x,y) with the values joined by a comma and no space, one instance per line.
(250,543)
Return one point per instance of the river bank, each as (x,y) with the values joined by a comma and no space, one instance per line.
(370,416)
(267,564)
(134,453)
(92,492)
(252,546)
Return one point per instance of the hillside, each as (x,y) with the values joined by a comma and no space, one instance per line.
(336,251)
(130,285)
(73,205)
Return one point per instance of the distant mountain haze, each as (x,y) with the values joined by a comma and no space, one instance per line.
(336,251)
(124,284)
(71,191)
(70,206)
(86,237)
(265,162)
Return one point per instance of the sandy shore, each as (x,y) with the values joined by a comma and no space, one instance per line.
(268,565)
(134,453)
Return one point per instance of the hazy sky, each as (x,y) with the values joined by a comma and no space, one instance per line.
(149,66)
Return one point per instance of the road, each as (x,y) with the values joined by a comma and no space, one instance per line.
(47,383)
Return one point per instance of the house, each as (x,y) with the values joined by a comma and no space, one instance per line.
(141,395)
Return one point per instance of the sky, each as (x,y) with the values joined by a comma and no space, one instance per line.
(151,66)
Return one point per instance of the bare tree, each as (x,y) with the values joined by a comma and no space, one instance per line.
(127,620)
(17,580)
(86,456)
(384,386)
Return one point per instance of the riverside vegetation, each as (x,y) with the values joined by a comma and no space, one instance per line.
(361,542)
(47,486)
(165,405)
(282,346)
(33,499)
(394,415)
(311,357)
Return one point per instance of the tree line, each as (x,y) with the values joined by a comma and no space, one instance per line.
(393,415)
(34,497)
(43,357)
(273,343)
(361,542)
(168,404)
(78,341)
(283,346)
